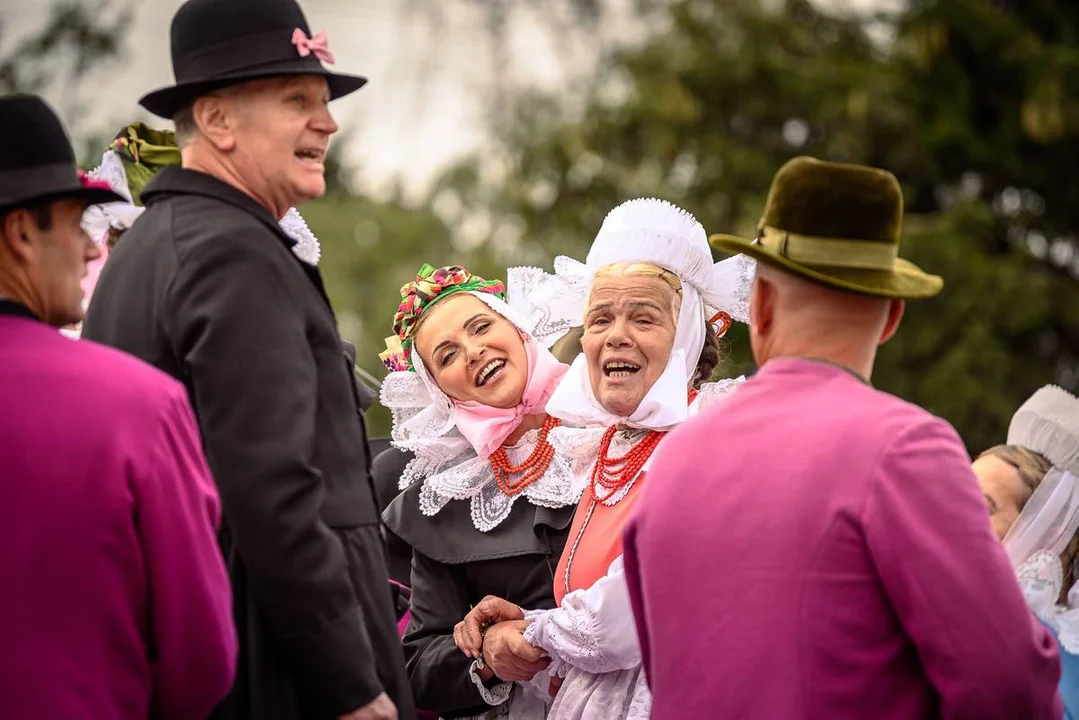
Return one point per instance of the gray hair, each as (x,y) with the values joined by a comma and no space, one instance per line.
(184,120)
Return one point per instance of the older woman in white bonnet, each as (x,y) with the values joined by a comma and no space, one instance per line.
(649,294)
(1031,485)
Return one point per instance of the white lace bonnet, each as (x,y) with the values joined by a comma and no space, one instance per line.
(656,232)
(1048,424)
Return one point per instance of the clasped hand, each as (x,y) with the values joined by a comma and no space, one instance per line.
(493,631)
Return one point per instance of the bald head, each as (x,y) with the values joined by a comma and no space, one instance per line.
(791,316)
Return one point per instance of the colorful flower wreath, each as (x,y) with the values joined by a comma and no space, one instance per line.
(431,285)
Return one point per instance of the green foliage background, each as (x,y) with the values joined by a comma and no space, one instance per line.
(973,104)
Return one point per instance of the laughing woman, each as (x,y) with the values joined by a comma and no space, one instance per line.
(647,292)
(486,500)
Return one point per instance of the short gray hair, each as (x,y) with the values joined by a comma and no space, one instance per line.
(184,120)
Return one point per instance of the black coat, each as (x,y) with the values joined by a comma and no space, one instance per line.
(454,566)
(205,287)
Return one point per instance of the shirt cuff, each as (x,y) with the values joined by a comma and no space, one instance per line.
(495,695)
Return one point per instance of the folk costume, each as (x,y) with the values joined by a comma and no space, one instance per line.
(1048,424)
(834,536)
(206,287)
(116,603)
(590,636)
(481,517)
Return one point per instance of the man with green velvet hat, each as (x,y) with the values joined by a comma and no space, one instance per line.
(834,536)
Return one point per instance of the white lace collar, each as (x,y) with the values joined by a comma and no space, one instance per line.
(581,445)
(307,247)
(467,477)
(1041,579)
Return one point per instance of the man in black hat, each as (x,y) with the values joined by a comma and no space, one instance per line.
(205,286)
(116,602)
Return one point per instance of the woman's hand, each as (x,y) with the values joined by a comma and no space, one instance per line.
(468,634)
(509,655)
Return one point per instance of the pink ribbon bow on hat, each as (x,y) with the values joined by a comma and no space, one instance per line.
(317,45)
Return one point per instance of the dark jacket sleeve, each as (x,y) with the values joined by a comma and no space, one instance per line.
(437,668)
(237,325)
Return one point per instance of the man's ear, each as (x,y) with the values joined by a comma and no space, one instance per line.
(896,307)
(215,117)
(17,230)
(762,301)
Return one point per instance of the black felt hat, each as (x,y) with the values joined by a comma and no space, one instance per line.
(836,224)
(37,163)
(217,43)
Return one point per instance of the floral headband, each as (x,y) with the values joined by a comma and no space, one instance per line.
(431,285)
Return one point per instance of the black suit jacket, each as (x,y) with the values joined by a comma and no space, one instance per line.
(205,287)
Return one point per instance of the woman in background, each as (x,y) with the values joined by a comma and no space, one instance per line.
(1031,485)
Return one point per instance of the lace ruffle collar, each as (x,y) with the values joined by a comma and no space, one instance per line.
(581,445)
(1041,579)
(470,478)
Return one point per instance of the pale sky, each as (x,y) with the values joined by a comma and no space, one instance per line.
(425,100)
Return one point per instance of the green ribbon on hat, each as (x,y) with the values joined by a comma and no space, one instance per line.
(144,151)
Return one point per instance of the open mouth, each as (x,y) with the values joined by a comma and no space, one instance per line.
(620,368)
(310,154)
(490,372)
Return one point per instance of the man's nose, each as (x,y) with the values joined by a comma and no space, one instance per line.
(323,121)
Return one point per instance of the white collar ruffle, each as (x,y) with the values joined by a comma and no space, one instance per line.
(581,445)
(1041,578)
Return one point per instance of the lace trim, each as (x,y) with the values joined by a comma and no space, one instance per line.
(495,695)
(552,303)
(735,276)
(470,478)
(577,641)
(307,246)
(1041,578)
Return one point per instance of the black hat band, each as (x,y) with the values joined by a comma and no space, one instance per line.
(42,179)
(242,55)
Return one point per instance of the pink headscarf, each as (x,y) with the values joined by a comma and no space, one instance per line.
(93,271)
(486,427)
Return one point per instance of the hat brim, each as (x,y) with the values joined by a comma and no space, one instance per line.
(90,196)
(164,102)
(906,280)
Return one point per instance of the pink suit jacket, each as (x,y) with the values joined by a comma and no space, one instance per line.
(813,548)
(115,601)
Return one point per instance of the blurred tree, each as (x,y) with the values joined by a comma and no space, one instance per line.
(77,37)
(968,102)
(369,249)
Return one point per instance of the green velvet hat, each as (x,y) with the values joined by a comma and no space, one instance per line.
(837,224)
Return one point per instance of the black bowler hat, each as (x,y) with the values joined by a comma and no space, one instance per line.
(217,43)
(37,163)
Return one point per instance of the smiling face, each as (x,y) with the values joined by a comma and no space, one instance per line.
(280,134)
(628,336)
(472,352)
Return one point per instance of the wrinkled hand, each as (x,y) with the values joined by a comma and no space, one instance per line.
(468,634)
(381,708)
(509,655)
